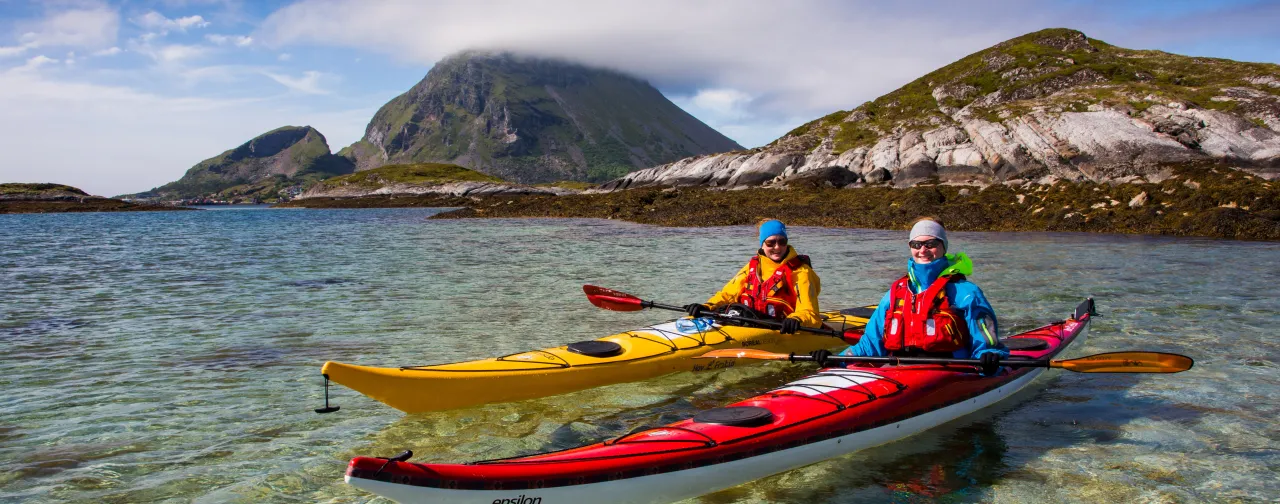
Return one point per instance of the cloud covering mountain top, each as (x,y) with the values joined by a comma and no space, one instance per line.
(201,76)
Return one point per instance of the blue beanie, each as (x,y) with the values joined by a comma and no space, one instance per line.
(772,228)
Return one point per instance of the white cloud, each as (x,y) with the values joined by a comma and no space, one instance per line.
(112,51)
(236,40)
(177,53)
(189,21)
(36,62)
(6,51)
(153,20)
(284,57)
(89,27)
(728,111)
(218,74)
(785,60)
(308,83)
(724,102)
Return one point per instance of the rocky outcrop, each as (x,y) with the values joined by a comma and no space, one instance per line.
(420,179)
(532,120)
(280,159)
(41,192)
(461,189)
(58,198)
(1049,105)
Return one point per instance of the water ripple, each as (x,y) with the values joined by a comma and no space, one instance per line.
(175,355)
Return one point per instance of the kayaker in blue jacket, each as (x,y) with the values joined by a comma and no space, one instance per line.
(933,310)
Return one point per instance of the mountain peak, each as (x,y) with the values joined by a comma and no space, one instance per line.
(530,119)
(260,168)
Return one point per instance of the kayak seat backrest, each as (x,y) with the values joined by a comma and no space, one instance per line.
(859,311)
(595,348)
(1025,343)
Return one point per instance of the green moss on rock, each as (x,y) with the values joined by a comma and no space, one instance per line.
(410,174)
(38,189)
(57,198)
(1057,67)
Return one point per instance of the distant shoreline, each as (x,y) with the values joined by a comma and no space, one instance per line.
(80,206)
(1193,203)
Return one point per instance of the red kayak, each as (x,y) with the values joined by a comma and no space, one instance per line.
(831,413)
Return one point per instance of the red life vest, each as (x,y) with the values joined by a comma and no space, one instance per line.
(775,296)
(926,322)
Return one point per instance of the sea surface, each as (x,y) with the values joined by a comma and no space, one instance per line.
(175,356)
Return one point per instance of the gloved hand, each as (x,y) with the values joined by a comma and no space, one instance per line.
(820,356)
(990,363)
(695,310)
(789,326)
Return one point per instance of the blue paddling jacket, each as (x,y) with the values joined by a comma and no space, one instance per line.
(965,296)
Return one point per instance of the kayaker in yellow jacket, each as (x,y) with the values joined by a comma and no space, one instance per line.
(777,283)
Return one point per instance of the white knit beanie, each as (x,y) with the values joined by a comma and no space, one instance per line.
(929,228)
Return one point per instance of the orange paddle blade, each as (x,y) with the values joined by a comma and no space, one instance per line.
(1127,362)
(743,353)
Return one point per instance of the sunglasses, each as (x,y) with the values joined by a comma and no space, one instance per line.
(934,243)
(779,242)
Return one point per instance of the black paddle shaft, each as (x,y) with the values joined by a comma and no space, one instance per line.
(771,324)
(924,360)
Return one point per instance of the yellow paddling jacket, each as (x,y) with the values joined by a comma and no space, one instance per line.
(805,282)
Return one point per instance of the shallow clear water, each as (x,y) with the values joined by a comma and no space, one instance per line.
(176,355)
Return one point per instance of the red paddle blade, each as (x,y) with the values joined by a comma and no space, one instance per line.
(610,299)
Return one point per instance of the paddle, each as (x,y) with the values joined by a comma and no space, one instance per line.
(610,299)
(1112,362)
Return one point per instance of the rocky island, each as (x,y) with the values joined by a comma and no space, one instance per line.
(49,198)
(1051,131)
(272,167)
(518,119)
(410,185)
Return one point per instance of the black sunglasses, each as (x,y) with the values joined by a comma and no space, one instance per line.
(781,242)
(934,243)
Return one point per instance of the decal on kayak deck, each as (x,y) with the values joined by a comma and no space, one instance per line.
(668,330)
(519,500)
(715,364)
(830,379)
(670,334)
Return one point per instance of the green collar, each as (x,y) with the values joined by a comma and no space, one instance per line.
(960,265)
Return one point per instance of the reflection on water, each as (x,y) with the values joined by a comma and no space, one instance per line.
(175,355)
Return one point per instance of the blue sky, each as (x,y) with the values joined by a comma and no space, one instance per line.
(121,96)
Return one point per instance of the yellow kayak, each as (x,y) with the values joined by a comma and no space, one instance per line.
(633,355)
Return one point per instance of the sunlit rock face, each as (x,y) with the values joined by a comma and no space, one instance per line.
(1046,106)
